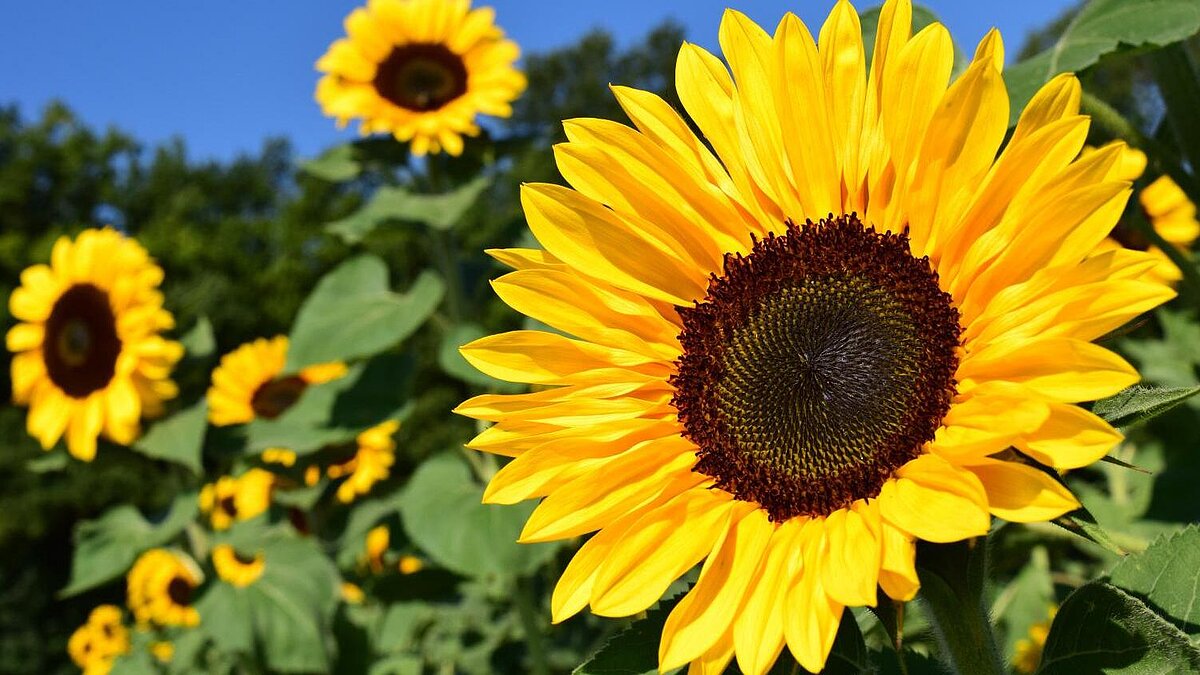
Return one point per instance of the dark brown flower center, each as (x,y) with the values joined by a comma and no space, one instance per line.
(244,559)
(272,398)
(228,505)
(81,344)
(179,590)
(421,76)
(816,366)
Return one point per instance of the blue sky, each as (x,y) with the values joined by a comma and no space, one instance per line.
(225,74)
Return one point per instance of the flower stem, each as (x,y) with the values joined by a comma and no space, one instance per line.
(533,630)
(952,582)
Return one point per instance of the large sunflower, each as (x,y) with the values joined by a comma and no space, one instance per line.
(798,355)
(248,384)
(160,586)
(1167,207)
(421,70)
(88,358)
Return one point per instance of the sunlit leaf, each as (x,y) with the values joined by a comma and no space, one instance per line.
(199,342)
(1139,404)
(1165,577)
(336,165)
(178,438)
(396,204)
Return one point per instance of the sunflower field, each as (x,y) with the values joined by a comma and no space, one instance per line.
(848,347)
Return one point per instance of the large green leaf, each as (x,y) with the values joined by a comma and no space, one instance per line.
(285,615)
(1102,27)
(335,412)
(453,363)
(336,165)
(1139,404)
(199,342)
(633,651)
(1165,576)
(107,546)
(179,438)
(1101,628)
(353,313)
(396,204)
(443,514)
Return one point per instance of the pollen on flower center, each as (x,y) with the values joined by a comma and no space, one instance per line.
(816,366)
(82,345)
(421,77)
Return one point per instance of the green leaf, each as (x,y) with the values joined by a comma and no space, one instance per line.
(179,438)
(50,461)
(1026,601)
(921,17)
(1083,523)
(443,514)
(1164,576)
(365,515)
(1100,28)
(1139,404)
(352,313)
(633,651)
(199,342)
(337,411)
(107,546)
(286,615)
(392,204)
(397,664)
(849,654)
(401,626)
(336,165)
(1100,628)
(1177,82)
(1173,360)
(134,663)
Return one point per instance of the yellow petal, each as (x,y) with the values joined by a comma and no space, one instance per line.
(850,566)
(536,357)
(1022,494)
(84,427)
(1070,438)
(898,573)
(25,336)
(758,627)
(574,587)
(1062,369)
(935,500)
(811,616)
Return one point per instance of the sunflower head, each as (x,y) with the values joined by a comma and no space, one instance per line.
(410,564)
(96,644)
(248,383)
(231,499)
(371,462)
(422,70)
(848,318)
(160,586)
(88,355)
(376,547)
(1029,648)
(352,593)
(235,568)
(162,651)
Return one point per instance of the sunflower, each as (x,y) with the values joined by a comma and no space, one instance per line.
(96,644)
(162,650)
(371,463)
(1169,211)
(352,593)
(1029,649)
(231,499)
(160,586)
(88,358)
(421,70)
(248,385)
(795,357)
(235,568)
(375,548)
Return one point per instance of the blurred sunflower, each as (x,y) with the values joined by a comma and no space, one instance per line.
(162,651)
(802,353)
(231,499)
(97,643)
(1029,648)
(246,384)
(421,70)
(1166,207)
(235,568)
(352,593)
(375,548)
(88,358)
(371,462)
(159,588)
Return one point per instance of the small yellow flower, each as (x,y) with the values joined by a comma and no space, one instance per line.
(411,564)
(94,645)
(232,499)
(1029,649)
(160,587)
(88,357)
(163,651)
(312,474)
(370,464)
(422,70)
(351,593)
(246,385)
(376,546)
(281,456)
(235,568)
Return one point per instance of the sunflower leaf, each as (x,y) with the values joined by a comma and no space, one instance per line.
(1083,523)
(179,438)
(336,165)
(1139,404)
(633,651)
(353,313)
(1164,577)
(199,342)
(107,546)
(396,204)
(1100,28)
(454,365)
(1101,628)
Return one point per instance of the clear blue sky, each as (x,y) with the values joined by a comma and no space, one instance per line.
(225,74)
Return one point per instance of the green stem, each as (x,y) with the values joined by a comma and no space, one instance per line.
(952,583)
(534,640)
(443,248)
